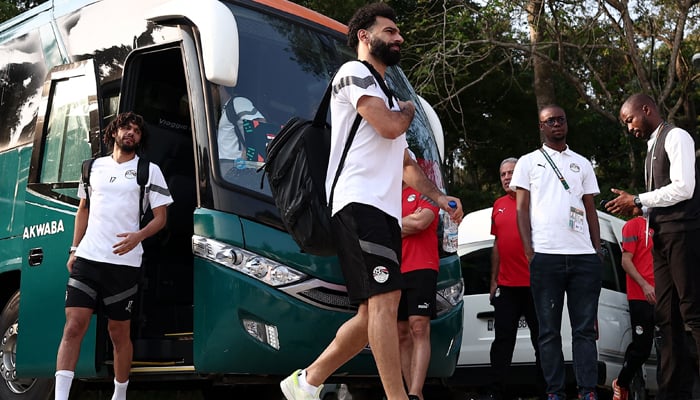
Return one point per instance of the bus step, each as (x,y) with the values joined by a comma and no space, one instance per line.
(167,349)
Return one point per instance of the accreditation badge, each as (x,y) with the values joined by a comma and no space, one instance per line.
(576,219)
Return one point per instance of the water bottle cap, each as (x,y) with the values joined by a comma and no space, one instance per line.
(452,204)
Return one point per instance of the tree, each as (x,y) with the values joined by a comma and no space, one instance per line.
(488,65)
(584,55)
(11,8)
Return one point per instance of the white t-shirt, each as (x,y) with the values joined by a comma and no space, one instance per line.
(373,168)
(114,208)
(230,147)
(554,229)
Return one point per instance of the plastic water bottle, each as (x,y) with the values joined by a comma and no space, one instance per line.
(240,163)
(450,231)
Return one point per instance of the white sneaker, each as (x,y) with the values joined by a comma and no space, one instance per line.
(293,391)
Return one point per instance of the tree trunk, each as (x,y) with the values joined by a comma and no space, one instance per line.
(543,83)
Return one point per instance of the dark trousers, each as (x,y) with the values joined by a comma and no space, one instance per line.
(510,304)
(642,321)
(677,276)
(580,278)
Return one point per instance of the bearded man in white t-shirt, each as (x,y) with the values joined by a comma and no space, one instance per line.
(105,258)
(366,205)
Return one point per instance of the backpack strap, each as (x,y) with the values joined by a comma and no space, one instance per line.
(232,116)
(85,178)
(142,172)
(351,136)
(381,83)
(355,125)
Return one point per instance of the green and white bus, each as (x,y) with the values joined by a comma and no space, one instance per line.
(227,296)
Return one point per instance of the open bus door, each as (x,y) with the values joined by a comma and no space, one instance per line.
(67,132)
(155,86)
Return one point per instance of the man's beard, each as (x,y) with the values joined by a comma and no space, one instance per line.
(383,52)
(647,128)
(126,148)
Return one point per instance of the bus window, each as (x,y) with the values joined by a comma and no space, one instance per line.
(283,72)
(67,141)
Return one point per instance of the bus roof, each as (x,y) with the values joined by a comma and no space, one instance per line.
(295,9)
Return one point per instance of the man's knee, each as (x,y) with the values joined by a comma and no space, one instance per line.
(119,332)
(384,302)
(76,326)
(420,327)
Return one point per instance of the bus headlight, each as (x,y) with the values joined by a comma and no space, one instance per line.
(447,298)
(254,265)
(453,294)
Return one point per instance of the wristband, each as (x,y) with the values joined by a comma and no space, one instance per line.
(72,249)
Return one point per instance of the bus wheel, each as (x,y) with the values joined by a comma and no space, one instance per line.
(11,387)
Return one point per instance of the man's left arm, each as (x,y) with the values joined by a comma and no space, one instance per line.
(592,219)
(417,222)
(680,148)
(132,239)
(414,176)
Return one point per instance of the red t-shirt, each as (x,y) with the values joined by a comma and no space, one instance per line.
(514,269)
(633,234)
(419,251)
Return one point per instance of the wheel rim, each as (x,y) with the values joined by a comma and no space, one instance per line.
(8,371)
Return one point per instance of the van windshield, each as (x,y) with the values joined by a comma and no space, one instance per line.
(283,71)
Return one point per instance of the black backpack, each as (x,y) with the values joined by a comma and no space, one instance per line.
(142,172)
(296,164)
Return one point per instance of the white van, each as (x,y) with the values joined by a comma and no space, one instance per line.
(475,244)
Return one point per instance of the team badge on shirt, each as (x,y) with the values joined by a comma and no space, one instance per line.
(380,274)
(411,198)
(130,174)
(574,167)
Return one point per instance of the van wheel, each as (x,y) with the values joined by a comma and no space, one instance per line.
(11,387)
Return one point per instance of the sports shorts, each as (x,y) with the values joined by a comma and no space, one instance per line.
(418,294)
(108,287)
(369,251)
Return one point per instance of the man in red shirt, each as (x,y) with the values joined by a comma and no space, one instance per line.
(419,266)
(638,264)
(510,292)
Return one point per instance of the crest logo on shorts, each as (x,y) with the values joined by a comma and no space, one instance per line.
(639,330)
(130,174)
(380,274)
(128,306)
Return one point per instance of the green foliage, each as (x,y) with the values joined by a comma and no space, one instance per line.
(473,60)
(11,8)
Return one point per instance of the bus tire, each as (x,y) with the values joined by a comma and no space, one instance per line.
(11,387)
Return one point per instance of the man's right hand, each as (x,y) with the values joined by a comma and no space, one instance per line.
(69,263)
(408,108)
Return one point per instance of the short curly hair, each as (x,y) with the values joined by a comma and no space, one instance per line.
(365,17)
(121,121)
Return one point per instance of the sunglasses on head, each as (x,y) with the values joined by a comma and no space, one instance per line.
(553,120)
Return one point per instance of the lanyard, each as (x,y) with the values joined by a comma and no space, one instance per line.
(556,170)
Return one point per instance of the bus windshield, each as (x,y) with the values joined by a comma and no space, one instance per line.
(284,69)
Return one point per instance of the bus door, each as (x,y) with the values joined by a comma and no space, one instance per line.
(67,132)
(155,86)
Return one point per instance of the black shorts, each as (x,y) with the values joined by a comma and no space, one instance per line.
(110,287)
(369,251)
(418,295)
